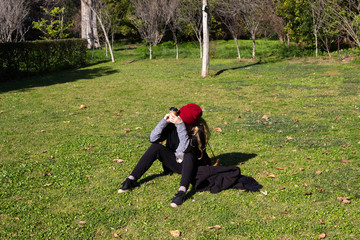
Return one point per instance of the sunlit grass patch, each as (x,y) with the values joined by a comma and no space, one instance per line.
(291,125)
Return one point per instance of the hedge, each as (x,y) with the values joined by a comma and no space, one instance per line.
(28,58)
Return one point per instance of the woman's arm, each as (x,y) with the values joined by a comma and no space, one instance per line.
(156,133)
(184,141)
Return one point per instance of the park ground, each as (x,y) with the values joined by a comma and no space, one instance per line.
(68,140)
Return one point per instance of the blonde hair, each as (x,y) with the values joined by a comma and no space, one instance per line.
(200,135)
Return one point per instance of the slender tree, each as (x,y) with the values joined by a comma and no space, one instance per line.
(229,13)
(102,13)
(192,17)
(151,18)
(251,13)
(347,14)
(174,24)
(205,60)
(318,13)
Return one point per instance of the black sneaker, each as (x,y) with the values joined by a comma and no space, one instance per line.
(127,185)
(178,199)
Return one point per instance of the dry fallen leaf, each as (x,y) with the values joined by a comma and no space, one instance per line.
(322,236)
(118,160)
(344,200)
(320,190)
(301,169)
(89,147)
(82,106)
(308,193)
(318,172)
(116,235)
(48,184)
(281,187)
(219,130)
(218,227)
(266,117)
(175,233)
(284,212)
(289,138)
(280,168)
(344,160)
(271,176)
(321,221)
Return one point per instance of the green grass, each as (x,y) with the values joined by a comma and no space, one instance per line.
(282,120)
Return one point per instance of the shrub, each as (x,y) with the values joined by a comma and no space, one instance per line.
(29,58)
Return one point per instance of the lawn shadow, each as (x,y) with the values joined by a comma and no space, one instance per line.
(24,84)
(239,67)
(151,177)
(235,158)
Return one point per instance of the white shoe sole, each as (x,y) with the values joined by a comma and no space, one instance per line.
(122,191)
(174,205)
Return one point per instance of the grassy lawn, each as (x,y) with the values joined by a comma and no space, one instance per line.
(293,125)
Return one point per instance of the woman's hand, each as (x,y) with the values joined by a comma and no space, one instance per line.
(174,119)
(167,117)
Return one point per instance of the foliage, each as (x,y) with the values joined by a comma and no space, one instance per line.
(298,20)
(292,125)
(56,28)
(27,58)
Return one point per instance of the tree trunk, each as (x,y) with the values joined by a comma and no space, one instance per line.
(205,60)
(316,42)
(254,45)
(176,44)
(150,50)
(105,33)
(89,25)
(237,48)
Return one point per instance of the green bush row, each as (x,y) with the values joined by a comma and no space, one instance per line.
(29,58)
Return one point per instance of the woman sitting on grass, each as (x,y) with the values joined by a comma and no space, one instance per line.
(186,136)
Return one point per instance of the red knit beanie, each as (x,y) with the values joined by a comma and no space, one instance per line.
(190,113)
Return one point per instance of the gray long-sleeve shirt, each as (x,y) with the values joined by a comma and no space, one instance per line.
(176,137)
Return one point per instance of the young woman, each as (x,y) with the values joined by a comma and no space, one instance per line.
(186,136)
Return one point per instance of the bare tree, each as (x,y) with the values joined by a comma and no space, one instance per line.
(174,24)
(347,14)
(251,14)
(89,24)
(151,19)
(318,16)
(275,22)
(229,13)
(191,15)
(13,14)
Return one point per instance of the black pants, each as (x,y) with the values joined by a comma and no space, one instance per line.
(187,168)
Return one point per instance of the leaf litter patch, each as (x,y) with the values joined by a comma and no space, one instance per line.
(280,125)
(286,131)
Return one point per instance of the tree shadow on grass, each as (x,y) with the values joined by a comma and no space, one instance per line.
(25,84)
(235,68)
(235,158)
